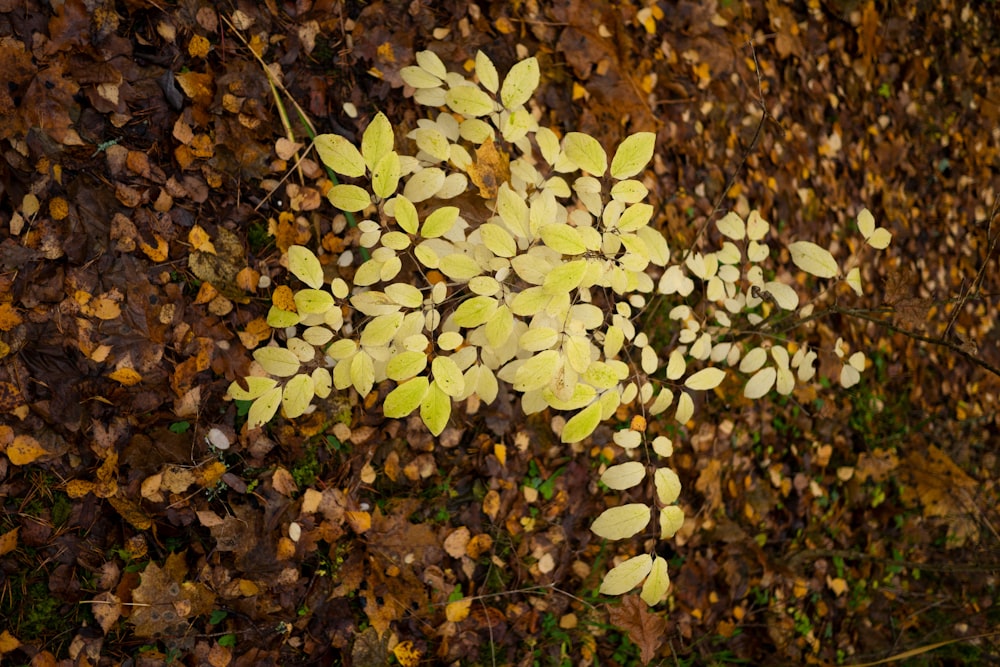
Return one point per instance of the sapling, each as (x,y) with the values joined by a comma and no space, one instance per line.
(501,251)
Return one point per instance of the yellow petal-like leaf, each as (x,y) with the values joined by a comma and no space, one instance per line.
(264,407)
(405,398)
(487,72)
(563,239)
(381,330)
(406,214)
(439,222)
(668,485)
(633,155)
(305,266)
(586,153)
(341,155)
(760,383)
(705,379)
(435,408)
(349,198)
(255,387)
(880,238)
(297,395)
(732,226)
(537,372)
(362,373)
(520,83)
(470,100)
(671,520)
(498,240)
(624,475)
(459,267)
(277,361)
(377,140)
(499,326)
(654,591)
(813,259)
(475,311)
(582,424)
(405,365)
(619,523)
(313,301)
(447,375)
(626,576)
(385,175)
(866,223)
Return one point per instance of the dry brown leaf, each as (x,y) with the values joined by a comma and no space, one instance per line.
(645,628)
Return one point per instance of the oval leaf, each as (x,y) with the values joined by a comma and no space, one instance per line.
(520,83)
(813,259)
(435,408)
(264,408)
(582,424)
(349,198)
(654,591)
(405,398)
(586,153)
(705,379)
(668,485)
(305,266)
(624,475)
(626,576)
(277,361)
(297,396)
(619,523)
(341,155)
(633,155)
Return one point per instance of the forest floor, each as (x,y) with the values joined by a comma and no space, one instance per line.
(149,189)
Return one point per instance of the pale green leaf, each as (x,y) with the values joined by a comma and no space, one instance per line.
(405,365)
(447,375)
(756,226)
(450,340)
(583,423)
(635,217)
(435,409)
(475,311)
(459,267)
(381,330)
(341,155)
(537,372)
(499,327)
(513,210)
(668,485)
(433,142)
(256,385)
(629,192)
(305,266)
(487,72)
(529,302)
(663,446)
(516,125)
(586,153)
(624,475)
(520,83)
(277,361)
(470,100)
(362,373)
(264,408)
(654,591)
(349,198)
(418,77)
(322,382)
(784,295)
(627,438)
(753,360)
(563,239)
(405,398)
(565,277)
(313,301)
(297,395)
(813,259)
(537,339)
(424,184)
(279,319)
(498,240)
(439,222)
(619,523)
(633,155)
(432,63)
(406,214)
(671,520)
(705,379)
(385,175)
(377,140)
(405,294)
(626,576)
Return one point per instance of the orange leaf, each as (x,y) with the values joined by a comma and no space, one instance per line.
(8,542)
(8,317)
(458,610)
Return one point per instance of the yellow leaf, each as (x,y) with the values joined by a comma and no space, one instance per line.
(8,542)
(486,71)
(8,642)
(126,376)
(586,153)
(626,576)
(341,155)
(520,83)
(813,259)
(447,376)
(405,398)
(633,155)
(582,424)
(24,449)
(470,100)
(385,175)
(619,523)
(671,520)
(277,361)
(657,583)
(439,222)
(377,140)
(760,383)
(624,475)
(668,485)
(297,395)
(264,407)
(407,654)
(349,198)
(435,409)
(458,610)
(305,266)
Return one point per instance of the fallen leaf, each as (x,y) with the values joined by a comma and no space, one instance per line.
(24,450)
(645,628)
(8,541)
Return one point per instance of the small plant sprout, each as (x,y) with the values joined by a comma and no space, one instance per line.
(501,252)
